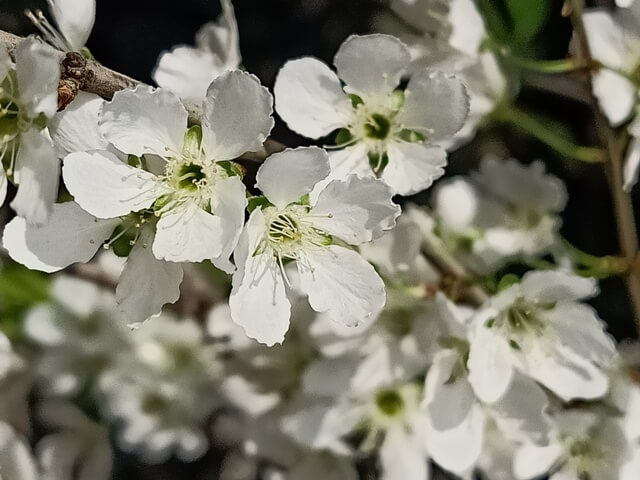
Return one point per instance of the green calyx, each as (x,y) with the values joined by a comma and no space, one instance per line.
(378,127)
(389,402)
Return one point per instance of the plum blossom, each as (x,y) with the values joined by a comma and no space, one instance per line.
(163,390)
(505,210)
(188,71)
(197,196)
(291,226)
(585,444)
(381,130)
(74,20)
(28,99)
(539,328)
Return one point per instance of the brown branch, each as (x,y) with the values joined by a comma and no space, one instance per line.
(625,218)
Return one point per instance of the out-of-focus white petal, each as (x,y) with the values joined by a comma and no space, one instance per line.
(372,65)
(616,95)
(342,283)
(532,461)
(402,456)
(70,236)
(145,120)
(38,73)
(310,99)
(37,174)
(74,19)
(106,187)
(236,116)
(302,168)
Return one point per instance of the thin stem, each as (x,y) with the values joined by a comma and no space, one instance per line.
(625,218)
(550,137)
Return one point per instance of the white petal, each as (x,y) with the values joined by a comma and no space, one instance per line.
(15,455)
(145,120)
(531,461)
(436,104)
(402,456)
(520,413)
(6,356)
(236,116)
(77,296)
(457,203)
(578,327)
(75,129)
(552,286)
(70,236)
(616,95)
(221,37)
(106,187)
(37,173)
(606,38)
(187,233)
(448,402)
(310,99)
(340,282)
(188,72)
(356,210)
(372,65)
(468,30)
(564,373)
(413,167)
(490,367)
(146,283)
(228,203)
(38,74)
(258,301)
(287,176)
(75,20)
(458,449)
(344,162)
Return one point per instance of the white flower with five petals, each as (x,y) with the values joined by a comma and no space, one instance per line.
(74,20)
(385,131)
(291,226)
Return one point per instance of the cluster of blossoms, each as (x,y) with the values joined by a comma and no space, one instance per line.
(339,344)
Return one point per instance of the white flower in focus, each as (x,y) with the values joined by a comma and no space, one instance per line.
(188,71)
(77,449)
(539,328)
(505,210)
(290,227)
(585,445)
(16,458)
(197,196)
(78,335)
(28,99)
(382,131)
(74,20)
(164,391)
(614,38)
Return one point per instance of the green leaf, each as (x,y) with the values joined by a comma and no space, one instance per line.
(514,23)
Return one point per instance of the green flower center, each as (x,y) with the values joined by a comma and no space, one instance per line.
(389,402)
(189,176)
(378,127)
(283,229)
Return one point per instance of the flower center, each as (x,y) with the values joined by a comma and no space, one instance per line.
(583,455)
(389,402)
(189,176)
(283,229)
(378,127)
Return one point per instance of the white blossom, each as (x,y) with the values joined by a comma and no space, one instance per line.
(383,131)
(291,228)
(539,328)
(188,71)
(28,98)
(16,458)
(74,21)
